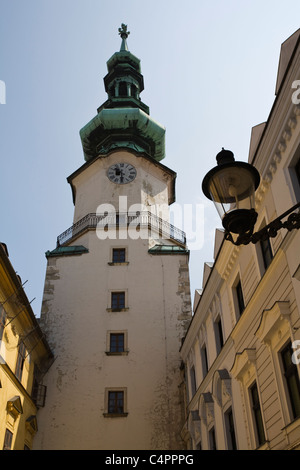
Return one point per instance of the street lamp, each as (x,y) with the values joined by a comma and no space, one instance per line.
(231,185)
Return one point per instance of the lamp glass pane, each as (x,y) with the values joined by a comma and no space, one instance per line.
(232,188)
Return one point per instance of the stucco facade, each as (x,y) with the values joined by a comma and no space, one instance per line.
(241,372)
(78,318)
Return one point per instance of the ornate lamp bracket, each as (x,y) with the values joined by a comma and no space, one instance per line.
(270,230)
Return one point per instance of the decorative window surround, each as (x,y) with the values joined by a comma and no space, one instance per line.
(221,387)
(14,407)
(194,425)
(274,323)
(275,331)
(243,368)
(31,425)
(275,159)
(206,408)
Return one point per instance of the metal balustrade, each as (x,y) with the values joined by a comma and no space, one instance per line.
(156,226)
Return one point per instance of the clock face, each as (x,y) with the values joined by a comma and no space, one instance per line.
(121,173)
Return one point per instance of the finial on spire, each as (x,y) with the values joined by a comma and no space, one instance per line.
(124,35)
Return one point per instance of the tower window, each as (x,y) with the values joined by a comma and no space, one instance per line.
(116,342)
(119,255)
(123,89)
(117,300)
(112,91)
(116,402)
(134,91)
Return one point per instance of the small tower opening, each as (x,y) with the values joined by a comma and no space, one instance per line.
(123,89)
(134,91)
(112,91)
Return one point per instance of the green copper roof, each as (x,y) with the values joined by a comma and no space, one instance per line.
(123,121)
(123,127)
(66,251)
(167,250)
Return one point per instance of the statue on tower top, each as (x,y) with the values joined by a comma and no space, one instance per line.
(123,31)
(124,35)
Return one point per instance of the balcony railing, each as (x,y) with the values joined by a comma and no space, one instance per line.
(156,226)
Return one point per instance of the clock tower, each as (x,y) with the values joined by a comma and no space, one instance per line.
(116,299)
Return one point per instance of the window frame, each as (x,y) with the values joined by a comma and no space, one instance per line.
(2,321)
(297,170)
(244,370)
(238,297)
(230,429)
(109,351)
(287,373)
(193,380)
(219,334)
(116,258)
(257,415)
(263,251)
(8,438)
(204,359)
(21,357)
(212,439)
(118,300)
(109,413)
(116,343)
(118,255)
(115,402)
(292,173)
(266,253)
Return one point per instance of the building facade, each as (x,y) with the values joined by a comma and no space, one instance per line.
(116,299)
(240,351)
(24,357)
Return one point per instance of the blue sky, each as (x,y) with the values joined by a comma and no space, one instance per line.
(209,70)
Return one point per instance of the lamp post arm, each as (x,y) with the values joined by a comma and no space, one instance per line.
(270,230)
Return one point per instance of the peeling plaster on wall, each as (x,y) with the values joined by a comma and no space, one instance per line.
(165,419)
(52,274)
(147,187)
(164,416)
(184,292)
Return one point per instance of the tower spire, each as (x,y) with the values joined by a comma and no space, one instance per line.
(124,35)
(123,120)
